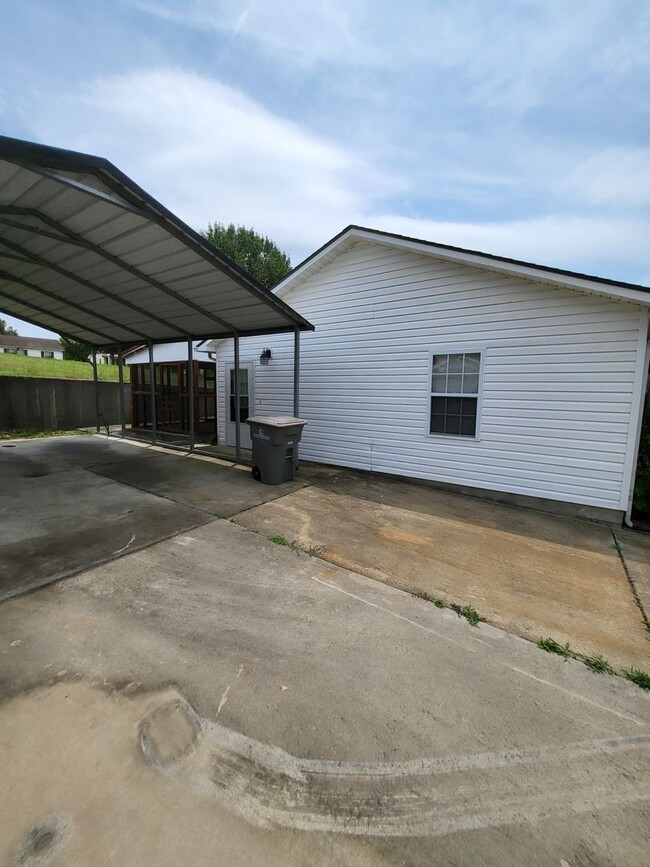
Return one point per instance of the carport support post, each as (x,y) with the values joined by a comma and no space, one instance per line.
(296,372)
(96,389)
(237,406)
(120,372)
(152,392)
(296,386)
(190,390)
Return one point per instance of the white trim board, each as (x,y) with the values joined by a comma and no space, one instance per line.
(485,262)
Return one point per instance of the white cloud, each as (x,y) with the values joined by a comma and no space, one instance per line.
(573,242)
(513,56)
(301,30)
(614,176)
(208,152)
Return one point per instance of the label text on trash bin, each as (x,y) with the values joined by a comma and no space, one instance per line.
(260,435)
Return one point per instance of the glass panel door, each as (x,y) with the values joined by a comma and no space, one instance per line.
(245,403)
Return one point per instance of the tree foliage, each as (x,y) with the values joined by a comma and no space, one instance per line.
(258,255)
(7,329)
(75,350)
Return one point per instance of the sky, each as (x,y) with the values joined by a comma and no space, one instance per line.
(514,127)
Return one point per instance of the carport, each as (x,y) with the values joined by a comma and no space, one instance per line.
(87,253)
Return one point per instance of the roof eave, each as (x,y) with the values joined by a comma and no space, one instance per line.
(620,291)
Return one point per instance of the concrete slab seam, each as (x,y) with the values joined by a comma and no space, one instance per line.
(631,582)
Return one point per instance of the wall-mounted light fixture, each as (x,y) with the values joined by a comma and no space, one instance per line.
(265,356)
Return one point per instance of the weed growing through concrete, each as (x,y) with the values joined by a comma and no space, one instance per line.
(599,664)
(280,540)
(594,663)
(470,614)
(422,594)
(552,646)
(641,678)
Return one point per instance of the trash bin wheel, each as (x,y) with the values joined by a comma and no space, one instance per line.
(255,473)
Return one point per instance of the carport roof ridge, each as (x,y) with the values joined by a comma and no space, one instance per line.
(89,254)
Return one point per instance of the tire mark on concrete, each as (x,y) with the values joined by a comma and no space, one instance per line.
(422,797)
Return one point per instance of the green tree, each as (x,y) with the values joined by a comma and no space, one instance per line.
(258,255)
(75,350)
(7,329)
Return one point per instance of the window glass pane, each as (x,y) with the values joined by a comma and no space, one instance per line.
(439,383)
(452,424)
(468,406)
(243,394)
(468,426)
(470,383)
(455,363)
(453,375)
(440,363)
(439,405)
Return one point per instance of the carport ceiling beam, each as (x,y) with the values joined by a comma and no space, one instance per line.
(73,238)
(5,275)
(115,200)
(70,275)
(56,316)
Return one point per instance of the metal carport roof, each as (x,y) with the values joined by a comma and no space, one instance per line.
(86,252)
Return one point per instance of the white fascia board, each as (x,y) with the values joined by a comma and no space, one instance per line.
(313,264)
(474,260)
(527,272)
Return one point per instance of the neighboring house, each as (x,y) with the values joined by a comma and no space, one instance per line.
(36,347)
(105,358)
(466,369)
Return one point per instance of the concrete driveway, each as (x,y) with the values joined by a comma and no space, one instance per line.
(215,698)
(531,573)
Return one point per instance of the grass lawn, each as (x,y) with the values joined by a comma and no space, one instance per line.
(53,368)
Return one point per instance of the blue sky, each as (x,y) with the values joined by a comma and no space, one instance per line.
(516,127)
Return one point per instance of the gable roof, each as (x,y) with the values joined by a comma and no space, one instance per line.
(86,252)
(585,283)
(45,343)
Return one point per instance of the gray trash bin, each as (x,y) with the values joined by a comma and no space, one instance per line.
(275,440)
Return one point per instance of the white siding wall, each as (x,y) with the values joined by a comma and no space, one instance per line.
(273,383)
(558,375)
(166,352)
(36,353)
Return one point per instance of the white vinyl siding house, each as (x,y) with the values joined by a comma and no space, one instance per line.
(558,391)
(34,347)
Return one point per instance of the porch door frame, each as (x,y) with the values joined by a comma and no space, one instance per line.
(245,438)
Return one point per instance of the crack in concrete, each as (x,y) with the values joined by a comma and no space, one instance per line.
(631,582)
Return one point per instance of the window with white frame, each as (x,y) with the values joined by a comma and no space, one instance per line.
(455,380)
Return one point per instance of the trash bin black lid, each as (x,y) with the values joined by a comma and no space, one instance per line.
(275,420)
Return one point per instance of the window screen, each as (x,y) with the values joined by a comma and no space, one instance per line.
(454,393)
